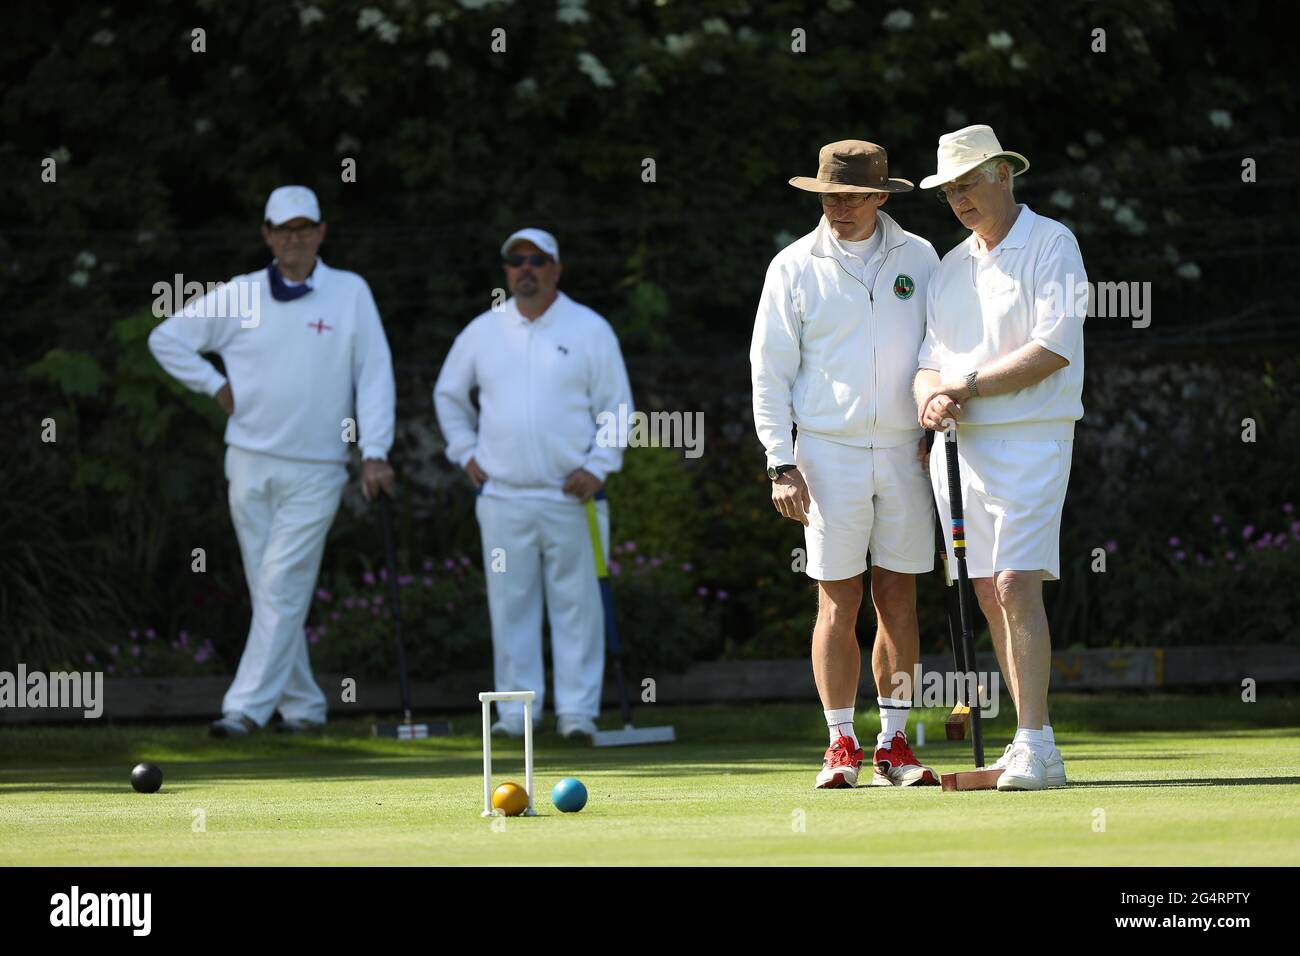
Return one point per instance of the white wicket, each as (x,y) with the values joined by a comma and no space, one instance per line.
(486,698)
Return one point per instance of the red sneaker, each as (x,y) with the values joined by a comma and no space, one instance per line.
(840,766)
(897,766)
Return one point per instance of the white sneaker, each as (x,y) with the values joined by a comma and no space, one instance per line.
(1025,770)
(1055,769)
(1002,761)
(570,727)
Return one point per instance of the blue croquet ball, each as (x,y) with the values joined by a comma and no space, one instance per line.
(569,795)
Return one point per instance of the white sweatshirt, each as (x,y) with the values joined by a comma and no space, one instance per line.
(542,384)
(294,373)
(832,355)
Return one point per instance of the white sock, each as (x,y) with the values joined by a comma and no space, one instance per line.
(840,723)
(1036,740)
(893,719)
(1048,735)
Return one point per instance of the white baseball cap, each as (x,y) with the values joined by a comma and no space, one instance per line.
(540,238)
(290,202)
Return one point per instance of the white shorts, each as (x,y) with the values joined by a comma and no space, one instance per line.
(865,499)
(1012,494)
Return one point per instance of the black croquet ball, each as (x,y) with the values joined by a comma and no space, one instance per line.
(146,778)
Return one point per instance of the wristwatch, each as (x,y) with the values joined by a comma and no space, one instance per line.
(776,471)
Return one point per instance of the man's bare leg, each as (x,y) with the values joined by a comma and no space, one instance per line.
(898,640)
(836,659)
(1029,643)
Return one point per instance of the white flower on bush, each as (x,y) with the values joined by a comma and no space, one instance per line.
(1061,198)
(839,6)
(892,74)
(353,94)
(202,124)
(1075,151)
(716,25)
(588,64)
(679,44)
(1002,40)
(309,15)
(347,144)
(1018,62)
(784,238)
(572,11)
(955,117)
(368,17)
(1126,217)
(898,20)
(1220,119)
(1093,138)
(433,21)
(526,88)
(1107,203)
(371,18)
(79,278)
(439,59)
(104,37)
(85,259)
(1189,271)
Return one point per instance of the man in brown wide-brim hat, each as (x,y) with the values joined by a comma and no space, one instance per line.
(839,323)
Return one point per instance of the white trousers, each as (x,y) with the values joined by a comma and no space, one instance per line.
(282,510)
(545,546)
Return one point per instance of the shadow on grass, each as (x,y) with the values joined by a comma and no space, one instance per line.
(1189,782)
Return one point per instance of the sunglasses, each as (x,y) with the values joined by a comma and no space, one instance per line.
(536,260)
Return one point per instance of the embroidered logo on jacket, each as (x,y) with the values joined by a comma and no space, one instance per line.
(320,326)
(904,286)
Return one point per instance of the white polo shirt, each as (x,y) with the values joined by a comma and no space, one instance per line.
(543,386)
(1031,287)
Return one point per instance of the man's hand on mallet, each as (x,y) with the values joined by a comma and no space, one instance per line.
(376,474)
(790,496)
(226,399)
(583,484)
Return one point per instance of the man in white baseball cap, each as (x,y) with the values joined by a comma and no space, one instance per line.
(1003,360)
(839,321)
(546,369)
(307,379)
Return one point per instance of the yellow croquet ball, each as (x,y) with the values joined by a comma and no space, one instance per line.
(510,798)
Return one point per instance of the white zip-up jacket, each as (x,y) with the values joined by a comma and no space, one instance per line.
(299,373)
(542,386)
(832,356)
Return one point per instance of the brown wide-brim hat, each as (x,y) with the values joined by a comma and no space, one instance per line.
(852,166)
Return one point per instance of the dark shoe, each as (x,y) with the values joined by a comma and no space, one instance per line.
(233,725)
(299,727)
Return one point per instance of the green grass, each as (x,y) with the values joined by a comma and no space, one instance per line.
(735,789)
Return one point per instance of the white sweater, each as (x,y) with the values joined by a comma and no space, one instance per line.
(833,356)
(294,373)
(541,384)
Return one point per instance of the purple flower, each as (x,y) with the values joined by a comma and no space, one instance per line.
(1247,531)
(702,592)
(1287,509)
(176,645)
(368,578)
(111,669)
(1180,555)
(448,563)
(723,595)
(349,601)
(428,564)
(185,639)
(151,633)
(640,559)
(450,607)
(334,615)
(133,633)
(375,611)
(312,639)
(1230,556)
(1215,519)
(135,650)
(323,595)
(630,545)
(655,562)
(90,658)
(428,582)
(112,649)
(1112,546)
(377,600)
(404,579)
(464,562)
(383,574)
(1174,542)
(200,656)
(687,566)
(614,568)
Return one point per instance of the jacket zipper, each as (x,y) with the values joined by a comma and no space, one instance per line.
(871,298)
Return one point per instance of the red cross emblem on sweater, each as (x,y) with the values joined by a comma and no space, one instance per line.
(319,325)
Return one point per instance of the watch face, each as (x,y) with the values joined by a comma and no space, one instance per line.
(771,472)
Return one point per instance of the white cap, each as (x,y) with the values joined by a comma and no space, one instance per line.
(290,202)
(540,238)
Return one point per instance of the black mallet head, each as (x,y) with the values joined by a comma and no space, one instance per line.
(146,778)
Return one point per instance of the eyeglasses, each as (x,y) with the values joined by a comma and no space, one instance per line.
(957,189)
(536,260)
(296,232)
(852,200)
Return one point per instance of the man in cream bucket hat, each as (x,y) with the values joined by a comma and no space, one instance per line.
(1003,360)
(839,323)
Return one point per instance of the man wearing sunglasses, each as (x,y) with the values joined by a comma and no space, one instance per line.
(546,369)
(841,316)
(308,376)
